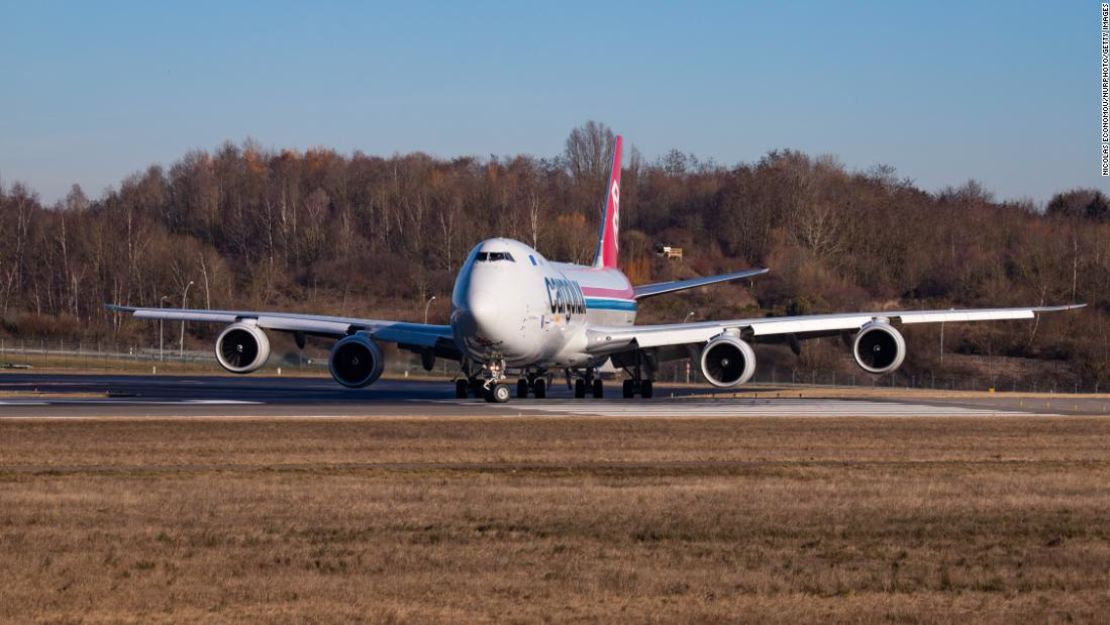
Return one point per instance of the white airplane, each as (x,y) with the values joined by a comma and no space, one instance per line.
(515,312)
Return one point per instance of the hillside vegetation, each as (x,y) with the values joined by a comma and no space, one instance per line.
(376,236)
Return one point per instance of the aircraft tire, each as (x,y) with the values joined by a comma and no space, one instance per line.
(462,389)
(628,389)
(540,389)
(500,393)
(645,389)
(522,389)
(599,389)
(579,389)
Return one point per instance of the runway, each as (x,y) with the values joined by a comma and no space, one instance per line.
(106,396)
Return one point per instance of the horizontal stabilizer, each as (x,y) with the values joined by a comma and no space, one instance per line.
(659,288)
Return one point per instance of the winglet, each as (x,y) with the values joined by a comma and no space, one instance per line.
(607,244)
(1059,308)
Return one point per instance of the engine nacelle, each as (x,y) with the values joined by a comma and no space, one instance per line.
(242,347)
(879,347)
(727,361)
(356,361)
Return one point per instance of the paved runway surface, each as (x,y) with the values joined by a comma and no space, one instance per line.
(83,396)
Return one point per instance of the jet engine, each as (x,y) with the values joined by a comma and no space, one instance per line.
(356,361)
(879,347)
(727,361)
(242,347)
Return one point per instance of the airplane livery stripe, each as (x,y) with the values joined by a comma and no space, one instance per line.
(610,304)
(594,291)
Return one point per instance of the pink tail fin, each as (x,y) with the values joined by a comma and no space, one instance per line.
(607,245)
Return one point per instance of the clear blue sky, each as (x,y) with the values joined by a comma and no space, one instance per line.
(1006,93)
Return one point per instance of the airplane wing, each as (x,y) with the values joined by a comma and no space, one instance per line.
(606,340)
(404,334)
(659,288)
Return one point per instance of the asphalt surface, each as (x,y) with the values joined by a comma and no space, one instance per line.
(31,395)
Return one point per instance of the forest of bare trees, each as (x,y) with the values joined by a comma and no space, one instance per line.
(376,236)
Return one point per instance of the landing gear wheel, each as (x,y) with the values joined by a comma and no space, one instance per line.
(579,389)
(599,389)
(462,389)
(499,394)
(628,389)
(522,389)
(540,389)
(645,389)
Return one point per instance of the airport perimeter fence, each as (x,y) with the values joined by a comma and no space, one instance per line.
(31,354)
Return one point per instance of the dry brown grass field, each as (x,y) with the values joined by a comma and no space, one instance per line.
(989,520)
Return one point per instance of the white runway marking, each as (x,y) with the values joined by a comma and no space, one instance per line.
(129,402)
(759,408)
(220,402)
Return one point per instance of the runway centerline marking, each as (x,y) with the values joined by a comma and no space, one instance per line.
(748,408)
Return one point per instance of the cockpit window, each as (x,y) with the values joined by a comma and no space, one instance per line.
(492,256)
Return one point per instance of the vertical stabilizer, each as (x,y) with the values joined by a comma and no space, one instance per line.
(607,246)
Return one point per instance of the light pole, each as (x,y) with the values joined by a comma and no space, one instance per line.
(162,330)
(688,315)
(942,342)
(430,300)
(184,304)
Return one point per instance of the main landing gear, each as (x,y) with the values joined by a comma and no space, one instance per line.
(632,387)
(595,388)
(588,383)
(639,383)
(534,384)
(489,384)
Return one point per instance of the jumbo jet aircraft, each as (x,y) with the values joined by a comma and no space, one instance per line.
(514,312)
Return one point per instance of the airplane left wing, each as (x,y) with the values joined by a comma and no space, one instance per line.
(404,334)
(605,340)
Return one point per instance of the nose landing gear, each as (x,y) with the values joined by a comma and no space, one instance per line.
(487,384)
(498,393)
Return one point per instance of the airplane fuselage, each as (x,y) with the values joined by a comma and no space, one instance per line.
(512,304)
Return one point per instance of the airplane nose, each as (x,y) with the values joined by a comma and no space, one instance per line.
(489,309)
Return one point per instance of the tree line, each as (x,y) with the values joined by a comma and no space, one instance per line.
(249,228)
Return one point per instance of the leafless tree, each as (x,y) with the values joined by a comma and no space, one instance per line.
(589,149)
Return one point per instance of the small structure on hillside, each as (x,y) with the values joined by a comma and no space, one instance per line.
(666,251)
